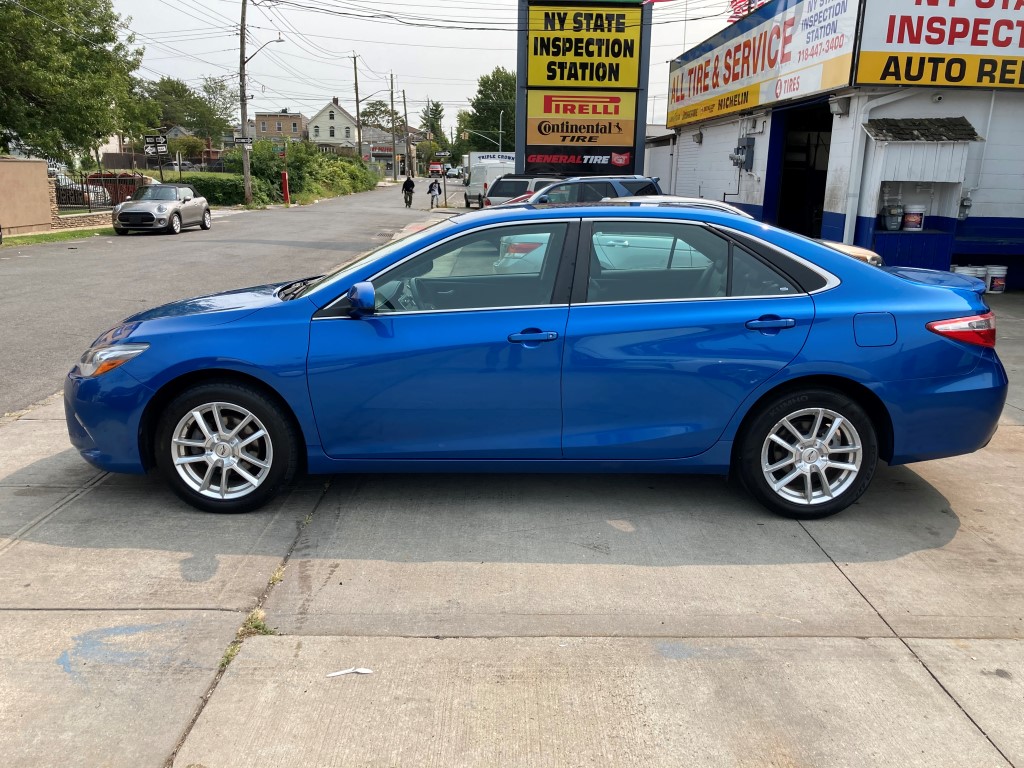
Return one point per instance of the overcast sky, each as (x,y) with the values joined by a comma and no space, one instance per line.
(436,48)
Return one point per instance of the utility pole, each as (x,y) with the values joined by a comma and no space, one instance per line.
(394,147)
(408,149)
(359,122)
(244,97)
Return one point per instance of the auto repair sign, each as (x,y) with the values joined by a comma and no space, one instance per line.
(966,43)
(781,51)
(584,46)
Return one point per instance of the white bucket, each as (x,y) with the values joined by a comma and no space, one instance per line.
(995,278)
(913,218)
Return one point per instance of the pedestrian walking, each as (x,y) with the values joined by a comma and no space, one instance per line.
(434,190)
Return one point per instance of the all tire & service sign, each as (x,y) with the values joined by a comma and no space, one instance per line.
(781,51)
(955,43)
(585,76)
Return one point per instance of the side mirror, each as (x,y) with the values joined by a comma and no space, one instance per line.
(186,199)
(127,198)
(543,199)
(361,299)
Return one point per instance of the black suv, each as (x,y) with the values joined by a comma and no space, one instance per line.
(591,189)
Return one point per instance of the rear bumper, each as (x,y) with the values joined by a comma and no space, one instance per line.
(937,418)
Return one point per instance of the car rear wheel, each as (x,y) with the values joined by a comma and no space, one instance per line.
(225,447)
(466,198)
(207,221)
(808,454)
(174,225)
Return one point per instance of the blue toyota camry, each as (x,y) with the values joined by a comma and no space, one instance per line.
(595,338)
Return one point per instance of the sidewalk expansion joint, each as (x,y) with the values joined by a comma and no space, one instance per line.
(272,581)
(912,652)
(19,534)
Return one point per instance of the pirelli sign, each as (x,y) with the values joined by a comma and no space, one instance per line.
(586,118)
(585,67)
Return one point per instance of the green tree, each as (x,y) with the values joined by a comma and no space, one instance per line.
(180,105)
(221,98)
(379,115)
(190,147)
(65,78)
(425,154)
(495,93)
(430,120)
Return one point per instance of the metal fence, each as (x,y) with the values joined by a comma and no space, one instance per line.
(89,192)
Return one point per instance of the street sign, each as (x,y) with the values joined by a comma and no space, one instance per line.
(443,153)
(156,140)
(161,149)
(244,140)
(149,149)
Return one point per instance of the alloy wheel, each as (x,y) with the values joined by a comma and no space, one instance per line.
(811,456)
(221,450)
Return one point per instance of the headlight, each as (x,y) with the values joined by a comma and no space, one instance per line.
(161,209)
(118,207)
(99,360)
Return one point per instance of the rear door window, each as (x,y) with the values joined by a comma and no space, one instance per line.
(640,188)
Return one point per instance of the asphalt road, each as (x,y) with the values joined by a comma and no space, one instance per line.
(58,298)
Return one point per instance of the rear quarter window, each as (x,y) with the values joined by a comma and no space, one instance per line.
(508,188)
(641,188)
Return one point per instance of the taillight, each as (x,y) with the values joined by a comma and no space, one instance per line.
(487,201)
(976,329)
(525,247)
(485,186)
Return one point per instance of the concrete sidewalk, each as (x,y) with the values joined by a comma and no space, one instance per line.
(513,620)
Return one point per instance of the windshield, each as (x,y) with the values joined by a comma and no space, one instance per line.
(154,192)
(367,256)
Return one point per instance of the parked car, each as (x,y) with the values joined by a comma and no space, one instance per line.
(453,173)
(166,207)
(514,185)
(184,165)
(740,348)
(589,189)
(435,170)
(73,192)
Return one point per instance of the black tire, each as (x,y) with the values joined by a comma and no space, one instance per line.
(466,198)
(222,457)
(207,221)
(810,463)
(174,225)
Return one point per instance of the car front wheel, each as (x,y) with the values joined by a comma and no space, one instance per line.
(808,454)
(207,221)
(174,225)
(225,447)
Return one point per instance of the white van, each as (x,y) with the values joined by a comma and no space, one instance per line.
(480,178)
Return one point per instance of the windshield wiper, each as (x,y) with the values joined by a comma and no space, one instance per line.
(291,290)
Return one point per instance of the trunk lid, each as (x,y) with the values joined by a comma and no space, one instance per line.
(971,287)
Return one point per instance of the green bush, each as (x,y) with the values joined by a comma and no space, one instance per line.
(311,173)
(229,190)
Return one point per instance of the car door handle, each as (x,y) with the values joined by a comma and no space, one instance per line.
(531,336)
(770,322)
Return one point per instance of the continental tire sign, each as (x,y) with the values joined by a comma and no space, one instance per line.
(570,118)
(585,67)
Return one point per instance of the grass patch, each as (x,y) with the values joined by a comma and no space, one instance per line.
(229,654)
(56,237)
(278,576)
(254,625)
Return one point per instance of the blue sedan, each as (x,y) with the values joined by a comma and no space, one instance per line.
(631,339)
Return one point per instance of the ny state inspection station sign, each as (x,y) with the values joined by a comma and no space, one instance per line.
(585,68)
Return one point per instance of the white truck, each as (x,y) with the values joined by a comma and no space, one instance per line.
(482,168)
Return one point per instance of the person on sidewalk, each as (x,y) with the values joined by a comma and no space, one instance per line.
(434,190)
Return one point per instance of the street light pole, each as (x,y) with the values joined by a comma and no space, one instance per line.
(394,148)
(359,122)
(244,101)
(501,117)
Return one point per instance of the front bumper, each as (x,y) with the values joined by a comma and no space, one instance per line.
(140,221)
(103,416)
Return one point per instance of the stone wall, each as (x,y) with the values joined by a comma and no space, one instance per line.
(74,220)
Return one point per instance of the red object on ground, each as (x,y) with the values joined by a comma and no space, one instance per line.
(284,187)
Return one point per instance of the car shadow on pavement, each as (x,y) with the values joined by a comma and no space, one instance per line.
(642,520)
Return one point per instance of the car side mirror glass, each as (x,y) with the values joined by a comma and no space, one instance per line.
(361,299)
(543,199)
(127,198)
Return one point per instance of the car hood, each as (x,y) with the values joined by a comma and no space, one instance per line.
(146,205)
(230,305)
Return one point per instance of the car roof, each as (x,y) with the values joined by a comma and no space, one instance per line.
(691,202)
(613,206)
